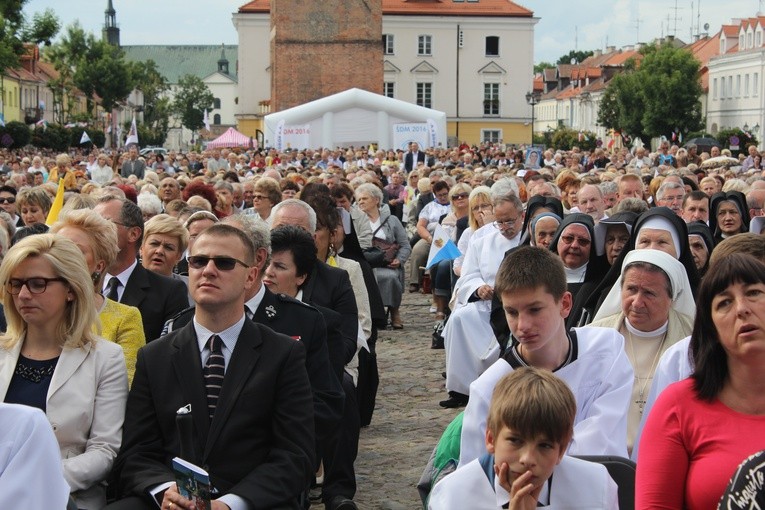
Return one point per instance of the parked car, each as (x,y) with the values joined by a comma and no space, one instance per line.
(153,150)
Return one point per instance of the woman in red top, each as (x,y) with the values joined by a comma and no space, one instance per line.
(702,428)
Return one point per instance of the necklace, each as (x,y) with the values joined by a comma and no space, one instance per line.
(640,401)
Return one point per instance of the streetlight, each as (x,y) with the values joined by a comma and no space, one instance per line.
(532,98)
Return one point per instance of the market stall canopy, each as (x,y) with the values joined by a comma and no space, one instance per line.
(231,138)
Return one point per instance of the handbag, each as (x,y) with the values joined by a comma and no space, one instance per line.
(388,249)
(374,255)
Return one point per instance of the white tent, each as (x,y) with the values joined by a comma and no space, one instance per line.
(355,117)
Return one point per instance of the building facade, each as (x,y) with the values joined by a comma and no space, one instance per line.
(472,60)
(736,96)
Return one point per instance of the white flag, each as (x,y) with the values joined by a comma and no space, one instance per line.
(85,138)
(132,136)
(207,120)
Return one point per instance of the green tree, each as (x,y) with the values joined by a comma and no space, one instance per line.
(622,105)
(156,104)
(191,98)
(91,65)
(16,30)
(64,55)
(17,134)
(578,55)
(538,68)
(102,70)
(656,97)
(669,79)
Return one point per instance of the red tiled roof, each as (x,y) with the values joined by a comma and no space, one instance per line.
(499,8)
(569,92)
(730,30)
(706,48)
(620,57)
(539,83)
(746,23)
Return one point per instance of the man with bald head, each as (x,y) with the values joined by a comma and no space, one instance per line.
(169,190)
(755,199)
(590,201)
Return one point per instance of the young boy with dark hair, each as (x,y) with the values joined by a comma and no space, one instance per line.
(532,284)
(530,424)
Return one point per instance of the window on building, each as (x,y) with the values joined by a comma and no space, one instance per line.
(389,89)
(756,84)
(730,87)
(492,46)
(216,119)
(746,85)
(741,42)
(424,45)
(491,135)
(216,103)
(714,88)
(738,85)
(425,94)
(749,40)
(387,44)
(491,98)
(758,39)
(722,88)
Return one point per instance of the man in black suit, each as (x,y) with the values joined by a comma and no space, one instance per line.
(292,318)
(253,432)
(413,157)
(157,297)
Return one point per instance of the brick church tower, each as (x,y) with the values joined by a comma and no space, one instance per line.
(320,48)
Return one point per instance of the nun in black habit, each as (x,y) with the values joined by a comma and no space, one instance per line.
(658,228)
(728,215)
(585,278)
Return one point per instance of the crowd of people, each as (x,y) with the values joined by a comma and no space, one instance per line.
(224,306)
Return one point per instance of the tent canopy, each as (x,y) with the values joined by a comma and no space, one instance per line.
(355,117)
(231,138)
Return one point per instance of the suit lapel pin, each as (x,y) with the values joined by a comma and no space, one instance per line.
(270,311)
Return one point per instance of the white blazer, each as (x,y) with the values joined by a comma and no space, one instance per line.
(86,407)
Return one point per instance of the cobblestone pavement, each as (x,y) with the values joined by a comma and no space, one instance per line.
(407,421)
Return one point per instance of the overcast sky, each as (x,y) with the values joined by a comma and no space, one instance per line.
(564,24)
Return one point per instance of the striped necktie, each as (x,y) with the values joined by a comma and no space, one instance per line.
(213,372)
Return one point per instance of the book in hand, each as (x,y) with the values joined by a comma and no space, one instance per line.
(193,483)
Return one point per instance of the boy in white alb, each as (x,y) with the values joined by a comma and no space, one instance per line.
(592,361)
(530,425)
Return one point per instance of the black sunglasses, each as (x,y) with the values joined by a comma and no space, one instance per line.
(8,200)
(221,263)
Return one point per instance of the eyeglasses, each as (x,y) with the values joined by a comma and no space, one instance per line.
(221,263)
(8,200)
(258,197)
(483,207)
(583,241)
(460,196)
(504,225)
(34,285)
